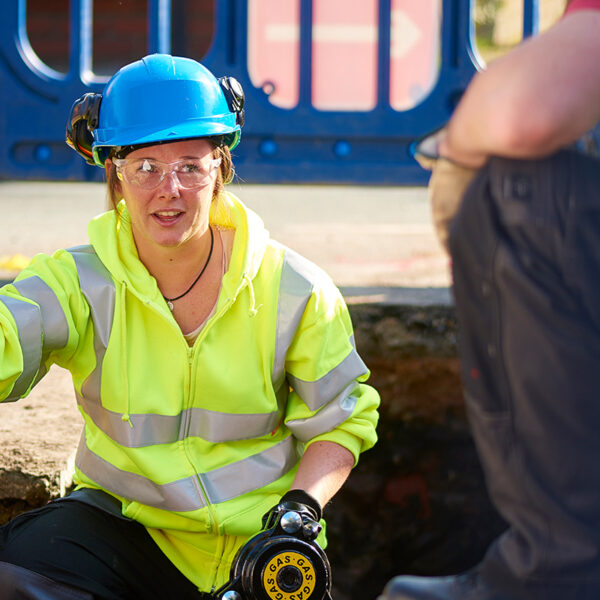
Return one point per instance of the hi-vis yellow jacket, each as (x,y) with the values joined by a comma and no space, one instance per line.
(197,443)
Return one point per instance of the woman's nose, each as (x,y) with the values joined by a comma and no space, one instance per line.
(169,185)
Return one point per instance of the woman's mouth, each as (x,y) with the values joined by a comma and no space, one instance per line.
(167,217)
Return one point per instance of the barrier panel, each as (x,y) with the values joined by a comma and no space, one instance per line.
(335,92)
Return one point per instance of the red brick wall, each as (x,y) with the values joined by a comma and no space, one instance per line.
(119,31)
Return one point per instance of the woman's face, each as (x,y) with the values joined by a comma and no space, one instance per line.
(169,215)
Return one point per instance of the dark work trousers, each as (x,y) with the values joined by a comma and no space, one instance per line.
(92,548)
(525,250)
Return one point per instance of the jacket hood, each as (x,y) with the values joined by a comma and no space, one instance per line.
(111,236)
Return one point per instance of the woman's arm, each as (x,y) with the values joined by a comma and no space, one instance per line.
(323,469)
(330,408)
(541,96)
(41,315)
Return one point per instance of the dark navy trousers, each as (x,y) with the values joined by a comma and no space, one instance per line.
(525,250)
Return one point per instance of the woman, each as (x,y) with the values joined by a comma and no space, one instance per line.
(214,368)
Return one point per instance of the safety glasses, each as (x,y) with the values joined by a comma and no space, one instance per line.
(148,173)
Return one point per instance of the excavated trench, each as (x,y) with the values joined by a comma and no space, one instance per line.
(416,503)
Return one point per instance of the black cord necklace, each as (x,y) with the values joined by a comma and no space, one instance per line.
(171,300)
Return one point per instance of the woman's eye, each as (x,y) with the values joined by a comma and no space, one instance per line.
(189,168)
(146,166)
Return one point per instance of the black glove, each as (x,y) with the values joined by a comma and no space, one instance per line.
(306,506)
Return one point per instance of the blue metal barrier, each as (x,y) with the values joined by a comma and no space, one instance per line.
(299,144)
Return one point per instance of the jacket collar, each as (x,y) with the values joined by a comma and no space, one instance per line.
(111,236)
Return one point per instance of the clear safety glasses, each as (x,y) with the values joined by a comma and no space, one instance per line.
(148,173)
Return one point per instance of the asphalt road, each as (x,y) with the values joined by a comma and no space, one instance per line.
(373,241)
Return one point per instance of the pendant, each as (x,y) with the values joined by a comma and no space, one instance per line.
(170,305)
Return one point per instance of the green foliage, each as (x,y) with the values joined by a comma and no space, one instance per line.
(486,11)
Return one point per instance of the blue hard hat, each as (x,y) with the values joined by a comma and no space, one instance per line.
(163,98)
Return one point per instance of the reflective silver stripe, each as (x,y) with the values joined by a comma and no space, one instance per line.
(150,429)
(318,393)
(219,427)
(251,473)
(295,288)
(28,318)
(329,417)
(185,494)
(54,321)
(182,495)
(99,290)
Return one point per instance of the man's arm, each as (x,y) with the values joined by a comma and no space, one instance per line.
(541,96)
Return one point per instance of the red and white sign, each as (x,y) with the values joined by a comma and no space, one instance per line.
(344,52)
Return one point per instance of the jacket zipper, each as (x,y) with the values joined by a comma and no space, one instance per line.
(213,524)
(212,517)
(211,510)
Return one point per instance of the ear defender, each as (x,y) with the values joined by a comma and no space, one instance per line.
(81,124)
(234,94)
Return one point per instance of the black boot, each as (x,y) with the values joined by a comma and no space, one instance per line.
(460,587)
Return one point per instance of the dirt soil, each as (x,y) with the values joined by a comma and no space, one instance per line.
(38,437)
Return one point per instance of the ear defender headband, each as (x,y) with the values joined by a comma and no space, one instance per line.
(83,120)
(234,94)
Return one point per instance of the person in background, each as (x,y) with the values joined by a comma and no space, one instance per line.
(518,207)
(214,368)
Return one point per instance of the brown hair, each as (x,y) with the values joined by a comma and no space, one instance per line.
(225,173)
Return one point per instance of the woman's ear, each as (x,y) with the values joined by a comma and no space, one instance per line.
(108,165)
(114,179)
(115,191)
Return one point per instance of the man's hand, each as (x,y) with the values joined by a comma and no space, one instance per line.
(447,184)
